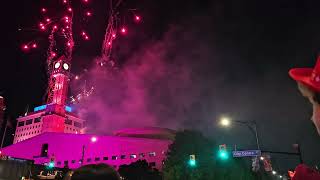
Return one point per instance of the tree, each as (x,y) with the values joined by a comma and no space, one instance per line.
(208,165)
(139,170)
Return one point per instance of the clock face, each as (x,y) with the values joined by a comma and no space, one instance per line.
(65,66)
(57,65)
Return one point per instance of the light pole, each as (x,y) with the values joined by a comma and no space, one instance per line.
(252,125)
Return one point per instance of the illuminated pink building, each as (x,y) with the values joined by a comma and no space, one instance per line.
(54,133)
(71,149)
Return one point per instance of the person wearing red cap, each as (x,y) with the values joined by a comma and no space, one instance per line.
(308,80)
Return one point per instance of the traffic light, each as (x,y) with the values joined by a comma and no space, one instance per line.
(51,164)
(192,160)
(223,153)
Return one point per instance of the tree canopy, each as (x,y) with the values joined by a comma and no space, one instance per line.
(208,165)
(139,170)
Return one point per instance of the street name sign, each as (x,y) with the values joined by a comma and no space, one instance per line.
(246,153)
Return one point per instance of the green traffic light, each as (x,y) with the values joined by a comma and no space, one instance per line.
(192,163)
(223,155)
(51,165)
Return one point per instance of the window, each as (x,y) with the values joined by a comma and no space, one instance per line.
(141,155)
(133,156)
(21,123)
(44,150)
(114,158)
(29,121)
(97,159)
(68,121)
(77,124)
(105,158)
(59,163)
(152,164)
(38,119)
(123,156)
(89,160)
(152,154)
(73,161)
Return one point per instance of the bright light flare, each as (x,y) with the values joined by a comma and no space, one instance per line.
(70,9)
(274,172)
(123,30)
(55,27)
(225,121)
(34,45)
(48,20)
(94,139)
(77,77)
(88,13)
(137,18)
(261,158)
(114,35)
(25,47)
(43,10)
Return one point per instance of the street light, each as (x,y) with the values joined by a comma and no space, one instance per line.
(225,121)
(274,172)
(252,125)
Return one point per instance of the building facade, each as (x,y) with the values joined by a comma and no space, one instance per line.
(74,150)
(46,118)
(53,133)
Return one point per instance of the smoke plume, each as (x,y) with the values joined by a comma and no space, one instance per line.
(158,85)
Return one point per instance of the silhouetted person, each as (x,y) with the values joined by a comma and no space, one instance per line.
(95,172)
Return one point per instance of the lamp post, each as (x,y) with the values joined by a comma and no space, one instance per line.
(252,125)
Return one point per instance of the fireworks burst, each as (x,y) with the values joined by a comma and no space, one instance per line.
(57,24)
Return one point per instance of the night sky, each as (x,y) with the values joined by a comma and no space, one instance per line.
(237,55)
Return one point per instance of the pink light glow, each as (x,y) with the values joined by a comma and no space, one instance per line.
(109,43)
(137,18)
(44,10)
(48,20)
(64,1)
(86,38)
(113,35)
(123,30)
(43,28)
(88,13)
(25,47)
(68,44)
(55,27)
(94,139)
(53,54)
(69,9)
(83,33)
(34,45)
